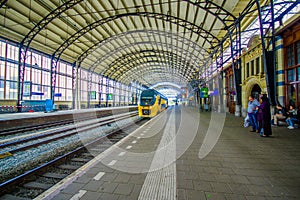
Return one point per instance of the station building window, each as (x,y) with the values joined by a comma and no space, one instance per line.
(69,86)
(252,68)
(298,52)
(2,49)
(290,56)
(4,73)
(84,84)
(46,63)
(64,82)
(12,72)
(1,89)
(257,63)
(11,89)
(62,68)
(94,95)
(2,70)
(38,72)
(12,52)
(247,70)
(293,74)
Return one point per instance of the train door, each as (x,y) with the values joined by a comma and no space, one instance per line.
(159,105)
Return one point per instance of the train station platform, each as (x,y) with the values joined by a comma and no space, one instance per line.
(184,154)
(23,115)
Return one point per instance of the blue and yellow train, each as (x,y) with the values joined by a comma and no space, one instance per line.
(152,103)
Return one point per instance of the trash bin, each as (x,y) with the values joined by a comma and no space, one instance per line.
(49,105)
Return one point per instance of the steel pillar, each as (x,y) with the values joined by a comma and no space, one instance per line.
(53,73)
(107,91)
(267,33)
(74,84)
(21,69)
(90,75)
(100,90)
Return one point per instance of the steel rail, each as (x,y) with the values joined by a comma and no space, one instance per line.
(6,186)
(21,129)
(87,127)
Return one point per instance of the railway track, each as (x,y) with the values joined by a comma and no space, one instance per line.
(56,120)
(35,181)
(14,131)
(71,130)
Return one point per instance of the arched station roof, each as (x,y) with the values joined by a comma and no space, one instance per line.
(148,41)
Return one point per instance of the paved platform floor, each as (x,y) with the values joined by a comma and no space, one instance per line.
(174,157)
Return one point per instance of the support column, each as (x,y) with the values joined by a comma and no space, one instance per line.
(130,94)
(221,81)
(107,91)
(74,85)
(136,95)
(90,75)
(100,90)
(222,97)
(269,57)
(280,70)
(54,63)
(78,88)
(21,69)
(238,71)
(124,94)
(114,94)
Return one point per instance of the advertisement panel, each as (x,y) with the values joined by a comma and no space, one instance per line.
(109,97)
(93,95)
(27,88)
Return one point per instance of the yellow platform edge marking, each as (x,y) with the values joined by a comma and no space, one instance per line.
(4,155)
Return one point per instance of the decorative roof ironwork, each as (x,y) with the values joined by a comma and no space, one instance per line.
(123,38)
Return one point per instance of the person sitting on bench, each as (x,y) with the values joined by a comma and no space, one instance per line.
(279,114)
(292,117)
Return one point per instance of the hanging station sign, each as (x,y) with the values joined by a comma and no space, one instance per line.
(204,92)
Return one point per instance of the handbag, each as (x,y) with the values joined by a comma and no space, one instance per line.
(246,121)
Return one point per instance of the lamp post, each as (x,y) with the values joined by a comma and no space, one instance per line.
(22,67)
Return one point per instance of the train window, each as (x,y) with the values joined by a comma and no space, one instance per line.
(146,100)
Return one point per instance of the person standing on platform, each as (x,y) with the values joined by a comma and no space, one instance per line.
(265,118)
(260,117)
(252,104)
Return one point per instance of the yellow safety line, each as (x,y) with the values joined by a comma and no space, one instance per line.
(4,155)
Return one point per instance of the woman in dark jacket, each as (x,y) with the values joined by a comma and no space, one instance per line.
(260,119)
(264,111)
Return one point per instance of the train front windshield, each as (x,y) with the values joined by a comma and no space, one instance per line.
(147,98)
